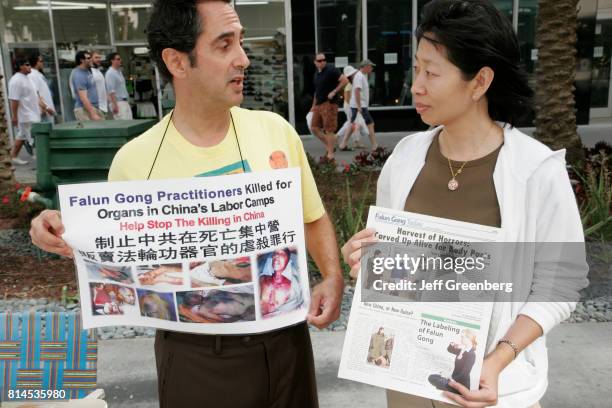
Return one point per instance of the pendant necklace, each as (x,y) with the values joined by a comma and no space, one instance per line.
(453,184)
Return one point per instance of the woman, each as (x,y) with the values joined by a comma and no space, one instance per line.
(476,167)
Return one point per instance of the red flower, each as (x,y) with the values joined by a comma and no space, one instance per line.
(5,200)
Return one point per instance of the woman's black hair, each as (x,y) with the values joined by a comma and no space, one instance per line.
(174,24)
(474,35)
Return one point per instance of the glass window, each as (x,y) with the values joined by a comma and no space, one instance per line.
(303,24)
(139,75)
(339,31)
(25,21)
(602,51)
(390,48)
(505,6)
(130,21)
(81,24)
(528,10)
(265,86)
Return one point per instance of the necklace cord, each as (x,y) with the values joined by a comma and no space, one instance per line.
(166,131)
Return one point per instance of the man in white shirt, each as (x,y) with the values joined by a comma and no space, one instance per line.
(360,99)
(98,77)
(47,107)
(25,108)
(117,91)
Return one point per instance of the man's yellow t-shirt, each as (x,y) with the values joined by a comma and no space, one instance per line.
(264,141)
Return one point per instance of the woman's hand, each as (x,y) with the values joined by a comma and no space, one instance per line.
(351,251)
(486,396)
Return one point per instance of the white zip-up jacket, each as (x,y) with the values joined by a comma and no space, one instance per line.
(537,204)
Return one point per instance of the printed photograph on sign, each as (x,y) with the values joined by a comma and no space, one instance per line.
(279,282)
(160,275)
(381,346)
(110,299)
(463,349)
(220,272)
(228,305)
(158,305)
(120,274)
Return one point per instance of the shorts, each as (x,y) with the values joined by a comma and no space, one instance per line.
(83,116)
(268,370)
(125,111)
(24,132)
(325,116)
(367,117)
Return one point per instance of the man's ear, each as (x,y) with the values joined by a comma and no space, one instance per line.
(177,62)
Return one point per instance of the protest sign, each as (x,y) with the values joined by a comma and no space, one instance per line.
(216,255)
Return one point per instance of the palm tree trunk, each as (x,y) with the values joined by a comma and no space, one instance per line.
(555,75)
(7,178)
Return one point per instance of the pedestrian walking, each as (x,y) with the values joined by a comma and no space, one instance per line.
(328,83)
(84,89)
(41,83)
(117,91)
(25,108)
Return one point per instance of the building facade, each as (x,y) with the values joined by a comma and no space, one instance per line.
(282,38)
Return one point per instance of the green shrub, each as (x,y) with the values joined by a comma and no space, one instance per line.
(595,197)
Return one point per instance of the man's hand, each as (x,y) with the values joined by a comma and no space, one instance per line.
(46,231)
(50,111)
(325,302)
(115,108)
(331,94)
(14,121)
(486,396)
(96,117)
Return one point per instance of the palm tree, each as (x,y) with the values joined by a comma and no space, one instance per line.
(555,119)
(7,178)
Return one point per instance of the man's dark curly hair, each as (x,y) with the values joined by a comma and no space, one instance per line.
(174,24)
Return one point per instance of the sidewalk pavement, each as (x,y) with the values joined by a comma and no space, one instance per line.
(590,135)
(580,356)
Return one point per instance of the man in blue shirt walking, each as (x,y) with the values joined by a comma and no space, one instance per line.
(84,89)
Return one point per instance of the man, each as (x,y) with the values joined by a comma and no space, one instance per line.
(47,107)
(328,82)
(84,89)
(279,285)
(98,77)
(25,109)
(360,100)
(206,63)
(117,91)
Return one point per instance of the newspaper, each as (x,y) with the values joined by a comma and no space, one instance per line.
(216,255)
(415,346)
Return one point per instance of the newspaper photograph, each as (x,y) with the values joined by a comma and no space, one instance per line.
(214,255)
(405,333)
